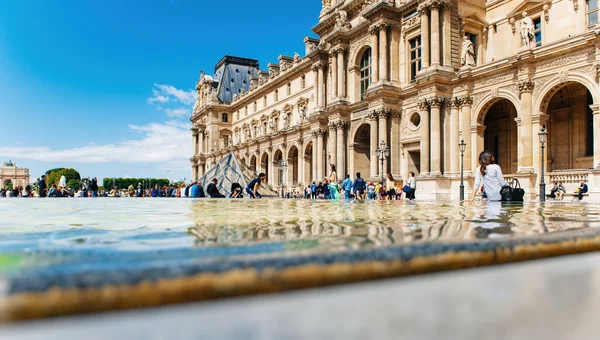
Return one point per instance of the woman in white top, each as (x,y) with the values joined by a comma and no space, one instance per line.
(333,184)
(490,175)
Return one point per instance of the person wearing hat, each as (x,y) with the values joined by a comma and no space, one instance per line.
(42,187)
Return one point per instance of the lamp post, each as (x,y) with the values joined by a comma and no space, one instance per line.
(462,145)
(383,152)
(543,138)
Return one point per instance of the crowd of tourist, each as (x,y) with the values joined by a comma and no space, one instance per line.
(359,189)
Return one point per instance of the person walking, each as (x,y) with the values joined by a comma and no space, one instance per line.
(334,191)
(42,187)
(412,186)
(347,187)
(490,175)
(359,187)
(252,188)
(313,190)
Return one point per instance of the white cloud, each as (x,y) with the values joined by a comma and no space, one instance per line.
(178,113)
(167,143)
(165,93)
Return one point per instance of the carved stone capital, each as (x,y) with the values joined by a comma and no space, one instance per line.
(466,100)
(424,8)
(342,124)
(319,65)
(423,104)
(332,126)
(373,29)
(383,26)
(526,85)
(455,102)
(436,102)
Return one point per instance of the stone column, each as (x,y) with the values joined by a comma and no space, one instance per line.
(447,33)
(332,143)
(395,54)
(383,51)
(465,128)
(315,155)
(435,36)
(436,157)
(596,112)
(194,140)
(526,141)
(341,150)
(373,146)
(424,127)
(315,69)
(477,143)
(395,143)
(374,30)
(194,172)
(454,136)
(320,154)
(334,70)
(341,73)
(424,10)
(201,142)
(321,85)
(383,136)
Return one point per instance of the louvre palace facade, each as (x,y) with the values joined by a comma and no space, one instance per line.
(420,76)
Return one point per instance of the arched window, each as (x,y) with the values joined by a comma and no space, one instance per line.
(365,72)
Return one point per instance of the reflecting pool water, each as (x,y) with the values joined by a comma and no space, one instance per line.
(41,238)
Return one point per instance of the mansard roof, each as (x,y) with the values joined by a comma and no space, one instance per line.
(233,75)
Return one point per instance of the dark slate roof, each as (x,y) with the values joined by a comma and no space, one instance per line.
(233,74)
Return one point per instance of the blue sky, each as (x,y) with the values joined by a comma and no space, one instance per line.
(107,87)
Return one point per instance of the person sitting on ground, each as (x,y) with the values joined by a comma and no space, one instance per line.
(53,191)
(398,191)
(213,191)
(489,174)
(252,188)
(113,193)
(560,193)
(553,190)
(583,188)
(236,190)
(197,191)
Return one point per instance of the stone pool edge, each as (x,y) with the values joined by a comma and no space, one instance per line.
(250,281)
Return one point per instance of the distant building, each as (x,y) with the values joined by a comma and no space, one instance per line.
(10,174)
(420,76)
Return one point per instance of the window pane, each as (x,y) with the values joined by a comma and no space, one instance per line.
(593,18)
(538,24)
(592,4)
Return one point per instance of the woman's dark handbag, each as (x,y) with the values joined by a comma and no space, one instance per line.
(407,189)
(512,192)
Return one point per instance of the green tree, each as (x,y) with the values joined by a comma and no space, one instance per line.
(73,183)
(54,175)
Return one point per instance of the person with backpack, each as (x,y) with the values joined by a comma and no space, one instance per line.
(313,190)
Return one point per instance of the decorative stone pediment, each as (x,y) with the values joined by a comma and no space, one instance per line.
(529,7)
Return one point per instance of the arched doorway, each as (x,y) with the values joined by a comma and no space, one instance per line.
(293,175)
(264,165)
(362,150)
(277,158)
(308,164)
(253,163)
(570,127)
(500,136)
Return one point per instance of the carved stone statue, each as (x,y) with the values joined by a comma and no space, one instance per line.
(325,6)
(297,57)
(271,124)
(212,94)
(284,119)
(467,57)
(303,113)
(8,164)
(229,141)
(527,29)
(342,20)
(214,145)
(256,131)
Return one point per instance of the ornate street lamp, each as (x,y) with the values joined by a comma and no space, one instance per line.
(462,145)
(543,138)
(383,152)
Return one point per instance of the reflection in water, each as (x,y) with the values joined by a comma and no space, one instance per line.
(342,225)
(74,235)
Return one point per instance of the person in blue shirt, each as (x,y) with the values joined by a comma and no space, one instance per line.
(347,185)
(326,194)
(197,191)
(252,188)
(583,188)
(313,191)
(359,186)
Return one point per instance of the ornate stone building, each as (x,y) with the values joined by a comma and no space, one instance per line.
(10,174)
(421,76)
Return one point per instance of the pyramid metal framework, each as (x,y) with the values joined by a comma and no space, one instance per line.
(230,170)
